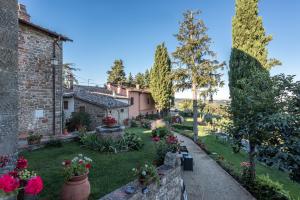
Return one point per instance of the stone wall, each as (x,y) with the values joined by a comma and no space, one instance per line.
(169,188)
(35,82)
(8,78)
(95,112)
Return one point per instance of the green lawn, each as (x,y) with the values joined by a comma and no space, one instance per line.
(225,150)
(109,171)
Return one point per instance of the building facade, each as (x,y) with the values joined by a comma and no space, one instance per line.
(97,102)
(140,100)
(40,59)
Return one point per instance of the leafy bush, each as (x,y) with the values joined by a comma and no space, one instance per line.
(78,120)
(133,124)
(161,150)
(182,127)
(133,141)
(130,141)
(146,123)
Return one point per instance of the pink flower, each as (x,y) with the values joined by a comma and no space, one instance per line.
(8,183)
(34,185)
(155,139)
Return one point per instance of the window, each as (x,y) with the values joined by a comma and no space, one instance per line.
(81,108)
(131,101)
(66,105)
(122,110)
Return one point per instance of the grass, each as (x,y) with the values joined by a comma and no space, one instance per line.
(225,150)
(108,172)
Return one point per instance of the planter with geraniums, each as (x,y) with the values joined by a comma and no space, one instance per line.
(77,185)
(109,121)
(20,183)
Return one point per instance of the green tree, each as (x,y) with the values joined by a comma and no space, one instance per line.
(117,74)
(196,69)
(252,100)
(160,79)
(147,78)
(69,77)
(130,80)
(139,79)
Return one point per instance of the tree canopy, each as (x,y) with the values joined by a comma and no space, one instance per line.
(117,74)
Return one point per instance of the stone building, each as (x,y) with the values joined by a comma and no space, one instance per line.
(96,101)
(8,82)
(40,59)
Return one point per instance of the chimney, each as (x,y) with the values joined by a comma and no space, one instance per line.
(137,86)
(22,13)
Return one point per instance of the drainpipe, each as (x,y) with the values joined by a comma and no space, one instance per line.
(54,63)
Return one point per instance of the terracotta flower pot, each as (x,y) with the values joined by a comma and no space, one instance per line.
(77,188)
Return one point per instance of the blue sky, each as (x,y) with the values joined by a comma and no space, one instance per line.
(105,30)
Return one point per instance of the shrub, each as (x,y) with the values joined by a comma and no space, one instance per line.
(133,141)
(161,151)
(133,124)
(78,120)
(146,123)
(182,127)
(162,132)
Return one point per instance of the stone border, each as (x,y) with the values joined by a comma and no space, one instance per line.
(170,187)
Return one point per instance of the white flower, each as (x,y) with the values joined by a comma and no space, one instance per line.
(80,155)
(63,163)
(146,165)
(144,173)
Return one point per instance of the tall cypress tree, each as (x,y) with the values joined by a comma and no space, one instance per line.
(249,78)
(130,80)
(160,79)
(147,78)
(117,74)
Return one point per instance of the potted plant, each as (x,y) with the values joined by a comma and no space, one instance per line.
(34,138)
(24,184)
(76,186)
(146,174)
(109,121)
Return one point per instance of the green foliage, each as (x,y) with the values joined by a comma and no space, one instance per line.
(200,69)
(130,141)
(133,124)
(133,141)
(161,150)
(54,143)
(79,120)
(117,74)
(162,132)
(160,79)
(139,79)
(130,80)
(147,79)
(252,100)
(182,127)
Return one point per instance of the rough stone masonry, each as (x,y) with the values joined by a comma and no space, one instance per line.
(8,77)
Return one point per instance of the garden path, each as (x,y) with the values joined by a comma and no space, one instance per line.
(209,181)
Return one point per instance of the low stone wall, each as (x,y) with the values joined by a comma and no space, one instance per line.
(169,188)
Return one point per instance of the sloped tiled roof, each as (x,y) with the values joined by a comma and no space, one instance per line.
(93,95)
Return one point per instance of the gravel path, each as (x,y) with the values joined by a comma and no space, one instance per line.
(209,181)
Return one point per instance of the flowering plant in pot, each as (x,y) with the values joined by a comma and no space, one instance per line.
(109,121)
(76,186)
(34,138)
(146,174)
(22,182)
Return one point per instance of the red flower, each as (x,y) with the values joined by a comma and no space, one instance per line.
(88,166)
(13,173)
(80,161)
(171,139)
(245,164)
(155,139)
(109,120)
(34,185)
(67,162)
(22,163)
(8,183)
